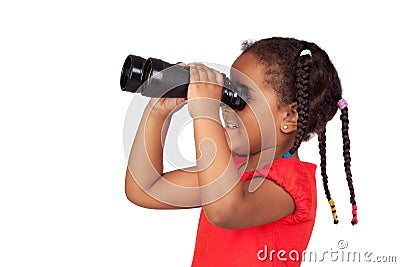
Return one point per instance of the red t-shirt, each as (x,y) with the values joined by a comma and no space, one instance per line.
(279,243)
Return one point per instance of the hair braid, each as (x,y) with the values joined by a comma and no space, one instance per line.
(302,71)
(347,161)
(322,152)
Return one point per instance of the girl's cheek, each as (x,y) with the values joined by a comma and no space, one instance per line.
(228,140)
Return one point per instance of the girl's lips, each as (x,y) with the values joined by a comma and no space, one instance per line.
(230,121)
(231,126)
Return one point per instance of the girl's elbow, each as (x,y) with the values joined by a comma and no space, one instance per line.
(132,191)
(130,194)
(135,194)
(136,198)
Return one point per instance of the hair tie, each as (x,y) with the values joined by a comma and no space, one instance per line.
(305,52)
(287,155)
(342,103)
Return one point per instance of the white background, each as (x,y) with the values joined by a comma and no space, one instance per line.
(62,115)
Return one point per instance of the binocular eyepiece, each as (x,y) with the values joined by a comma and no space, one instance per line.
(156,78)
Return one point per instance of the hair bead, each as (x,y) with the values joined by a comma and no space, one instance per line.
(342,104)
(333,208)
(287,155)
(305,52)
(354,220)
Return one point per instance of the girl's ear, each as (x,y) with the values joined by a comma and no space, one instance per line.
(288,124)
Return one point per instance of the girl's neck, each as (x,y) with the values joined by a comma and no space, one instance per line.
(262,158)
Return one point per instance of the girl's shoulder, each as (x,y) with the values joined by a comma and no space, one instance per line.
(298,179)
(295,177)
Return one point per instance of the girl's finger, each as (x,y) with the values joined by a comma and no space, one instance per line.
(219,78)
(203,73)
(194,73)
(216,77)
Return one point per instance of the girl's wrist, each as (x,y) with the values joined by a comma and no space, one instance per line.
(204,108)
(157,114)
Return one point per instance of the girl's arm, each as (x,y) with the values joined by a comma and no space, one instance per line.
(144,184)
(226,200)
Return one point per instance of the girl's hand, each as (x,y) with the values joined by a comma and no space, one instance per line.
(166,106)
(204,92)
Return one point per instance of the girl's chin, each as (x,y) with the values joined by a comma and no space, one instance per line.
(235,142)
(230,129)
(228,140)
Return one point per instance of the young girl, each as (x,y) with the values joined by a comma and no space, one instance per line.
(257,199)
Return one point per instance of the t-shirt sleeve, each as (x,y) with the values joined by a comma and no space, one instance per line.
(299,181)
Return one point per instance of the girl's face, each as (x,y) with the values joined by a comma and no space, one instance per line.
(252,129)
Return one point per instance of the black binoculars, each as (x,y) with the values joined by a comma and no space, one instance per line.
(156,78)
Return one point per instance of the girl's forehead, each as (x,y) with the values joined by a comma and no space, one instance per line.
(247,70)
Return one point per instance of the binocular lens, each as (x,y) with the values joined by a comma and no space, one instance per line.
(131,74)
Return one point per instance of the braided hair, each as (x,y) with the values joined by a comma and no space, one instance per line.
(346,155)
(302,73)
